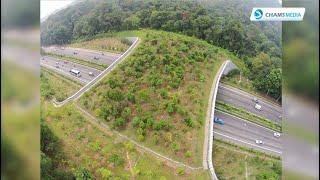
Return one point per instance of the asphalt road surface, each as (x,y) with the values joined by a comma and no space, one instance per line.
(245,133)
(64,68)
(85,54)
(244,100)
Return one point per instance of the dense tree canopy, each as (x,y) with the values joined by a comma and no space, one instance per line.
(219,23)
(224,24)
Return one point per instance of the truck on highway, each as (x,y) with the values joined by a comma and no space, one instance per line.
(218,120)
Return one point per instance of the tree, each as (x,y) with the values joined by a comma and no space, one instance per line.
(116,160)
(132,22)
(273,82)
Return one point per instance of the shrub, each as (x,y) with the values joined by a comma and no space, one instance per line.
(115,94)
(119,122)
(150,122)
(181,171)
(131,97)
(95,146)
(171,107)
(164,93)
(162,125)
(116,160)
(188,154)
(126,113)
(175,146)
(136,121)
(83,174)
(188,122)
(105,173)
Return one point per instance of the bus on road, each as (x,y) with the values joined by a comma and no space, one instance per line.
(75,72)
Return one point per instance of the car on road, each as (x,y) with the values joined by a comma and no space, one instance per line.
(57,65)
(276,134)
(96,58)
(91,74)
(75,53)
(259,142)
(218,120)
(257,106)
(255,99)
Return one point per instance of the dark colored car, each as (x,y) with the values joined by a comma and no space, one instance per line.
(218,120)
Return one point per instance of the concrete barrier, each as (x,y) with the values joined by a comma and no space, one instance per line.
(227,66)
(99,77)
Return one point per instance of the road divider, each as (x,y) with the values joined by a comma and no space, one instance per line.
(243,114)
(78,61)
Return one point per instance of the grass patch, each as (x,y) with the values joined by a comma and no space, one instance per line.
(56,86)
(247,116)
(104,154)
(79,61)
(235,162)
(159,94)
(107,44)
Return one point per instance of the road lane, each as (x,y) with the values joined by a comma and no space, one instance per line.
(244,100)
(85,54)
(245,133)
(64,68)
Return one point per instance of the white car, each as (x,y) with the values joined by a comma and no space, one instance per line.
(255,99)
(259,142)
(258,107)
(276,134)
(91,74)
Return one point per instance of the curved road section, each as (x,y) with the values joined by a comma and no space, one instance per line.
(100,76)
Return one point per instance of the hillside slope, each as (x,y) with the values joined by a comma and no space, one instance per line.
(159,95)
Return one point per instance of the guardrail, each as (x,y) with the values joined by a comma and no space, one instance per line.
(211,123)
(98,78)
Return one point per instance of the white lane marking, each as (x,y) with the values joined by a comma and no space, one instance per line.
(272,105)
(246,121)
(248,143)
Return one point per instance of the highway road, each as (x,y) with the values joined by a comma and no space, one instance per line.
(85,54)
(63,67)
(242,132)
(244,100)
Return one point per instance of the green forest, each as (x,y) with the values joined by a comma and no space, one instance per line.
(219,23)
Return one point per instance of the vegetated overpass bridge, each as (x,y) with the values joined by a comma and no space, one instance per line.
(225,68)
(89,85)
